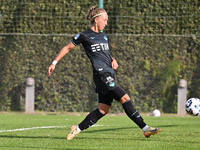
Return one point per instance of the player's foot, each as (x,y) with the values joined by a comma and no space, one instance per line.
(151,131)
(72,133)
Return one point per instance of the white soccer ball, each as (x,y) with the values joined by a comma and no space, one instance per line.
(156,113)
(192,106)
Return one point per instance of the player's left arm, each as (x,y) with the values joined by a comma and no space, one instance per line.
(114,64)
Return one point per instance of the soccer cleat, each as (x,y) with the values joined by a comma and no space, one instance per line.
(151,131)
(72,133)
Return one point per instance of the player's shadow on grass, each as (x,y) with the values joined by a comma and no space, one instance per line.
(108,129)
(39,147)
(53,137)
(123,128)
(24,146)
(172,125)
(31,137)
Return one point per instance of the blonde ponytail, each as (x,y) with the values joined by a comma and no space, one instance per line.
(94,12)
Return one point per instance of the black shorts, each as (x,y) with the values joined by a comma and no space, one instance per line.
(107,88)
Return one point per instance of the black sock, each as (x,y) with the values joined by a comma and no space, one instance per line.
(91,119)
(133,114)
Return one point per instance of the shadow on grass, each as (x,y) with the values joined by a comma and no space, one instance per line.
(39,147)
(172,125)
(30,137)
(123,128)
(85,132)
(108,129)
(51,137)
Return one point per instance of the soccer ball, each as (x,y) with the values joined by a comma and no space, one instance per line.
(156,113)
(192,106)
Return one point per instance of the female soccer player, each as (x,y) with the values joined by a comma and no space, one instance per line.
(95,43)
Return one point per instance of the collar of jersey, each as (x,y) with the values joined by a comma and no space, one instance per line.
(97,32)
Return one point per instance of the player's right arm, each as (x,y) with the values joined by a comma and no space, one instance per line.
(62,53)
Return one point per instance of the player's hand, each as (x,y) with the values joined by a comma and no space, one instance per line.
(114,64)
(51,68)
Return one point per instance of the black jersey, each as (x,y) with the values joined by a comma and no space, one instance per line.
(97,49)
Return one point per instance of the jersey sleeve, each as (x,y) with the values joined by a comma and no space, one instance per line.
(79,38)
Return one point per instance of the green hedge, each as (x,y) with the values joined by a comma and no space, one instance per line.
(149,70)
(150,64)
(125,16)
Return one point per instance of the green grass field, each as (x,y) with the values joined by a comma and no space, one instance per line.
(48,132)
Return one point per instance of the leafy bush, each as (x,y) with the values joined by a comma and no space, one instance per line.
(151,60)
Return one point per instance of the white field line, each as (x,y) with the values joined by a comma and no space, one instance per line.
(34,128)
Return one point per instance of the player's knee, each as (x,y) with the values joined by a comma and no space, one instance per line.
(103,108)
(104,111)
(124,98)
